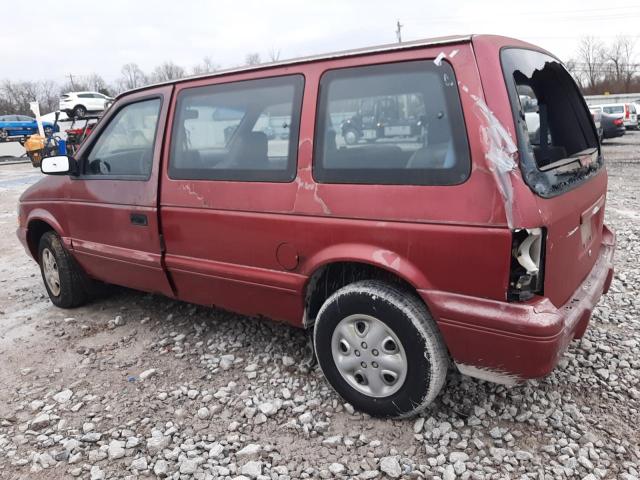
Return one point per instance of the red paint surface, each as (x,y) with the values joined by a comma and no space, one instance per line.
(450,243)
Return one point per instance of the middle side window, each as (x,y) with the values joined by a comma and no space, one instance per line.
(241,131)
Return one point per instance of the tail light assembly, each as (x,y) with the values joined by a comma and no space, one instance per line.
(617,122)
(526,277)
(626,111)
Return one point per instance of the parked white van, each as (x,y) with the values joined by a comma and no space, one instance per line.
(627,111)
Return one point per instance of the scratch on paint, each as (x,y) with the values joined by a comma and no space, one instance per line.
(388,258)
(302,185)
(187,188)
(573,231)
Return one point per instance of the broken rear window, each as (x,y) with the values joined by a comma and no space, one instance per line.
(557,138)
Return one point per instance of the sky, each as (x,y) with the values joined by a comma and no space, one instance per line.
(43,40)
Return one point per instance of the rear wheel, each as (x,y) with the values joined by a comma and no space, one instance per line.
(63,278)
(3,134)
(379,349)
(79,111)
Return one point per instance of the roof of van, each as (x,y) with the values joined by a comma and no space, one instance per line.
(325,56)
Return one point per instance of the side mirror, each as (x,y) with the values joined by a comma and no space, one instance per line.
(59,165)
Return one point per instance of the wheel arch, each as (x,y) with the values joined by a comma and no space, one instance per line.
(38,224)
(340,265)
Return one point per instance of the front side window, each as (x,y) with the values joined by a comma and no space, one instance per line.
(242,131)
(557,138)
(398,123)
(125,146)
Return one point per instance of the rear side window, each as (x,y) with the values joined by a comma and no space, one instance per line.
(557,137)
(242,131)
(398,123)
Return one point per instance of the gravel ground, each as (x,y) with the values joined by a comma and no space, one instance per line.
(135,385)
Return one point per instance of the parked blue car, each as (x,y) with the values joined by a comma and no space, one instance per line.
(21,125)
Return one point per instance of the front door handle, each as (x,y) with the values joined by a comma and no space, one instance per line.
(139,219)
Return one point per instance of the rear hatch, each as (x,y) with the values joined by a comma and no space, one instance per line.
(562,164)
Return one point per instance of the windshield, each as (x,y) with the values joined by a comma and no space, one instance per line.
(557,138)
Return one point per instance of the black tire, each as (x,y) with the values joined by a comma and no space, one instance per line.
(3,135)
(73,284)
(407,317)
(350,136)
(79,111)
(48,131)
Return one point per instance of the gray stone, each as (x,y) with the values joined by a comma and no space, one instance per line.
(96,473)
(161,468)
(116,449)
(458,457)
(390,466)
(147,374)
(139,464)
(252,469)
(41,421)
(188,466)
(64,396)
(157,442)
(251,451)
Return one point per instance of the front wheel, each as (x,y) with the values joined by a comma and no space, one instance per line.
(380,349)
(350,136)
(63,278)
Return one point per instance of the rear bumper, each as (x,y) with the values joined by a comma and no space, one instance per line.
(509,342)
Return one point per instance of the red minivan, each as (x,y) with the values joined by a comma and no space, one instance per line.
(398,202)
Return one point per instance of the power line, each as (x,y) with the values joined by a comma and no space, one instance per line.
(548,16)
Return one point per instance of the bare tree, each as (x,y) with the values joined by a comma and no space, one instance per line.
(48,96)
(131,77)
(206,66)
(591,55)
(79,84)
(19,94)
(97,84)
(16,96)
(167,71)
(252,59)
(620,56)
(274,54)
(572,67)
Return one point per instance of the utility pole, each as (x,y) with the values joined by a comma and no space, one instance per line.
(71,80)
(399,31)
